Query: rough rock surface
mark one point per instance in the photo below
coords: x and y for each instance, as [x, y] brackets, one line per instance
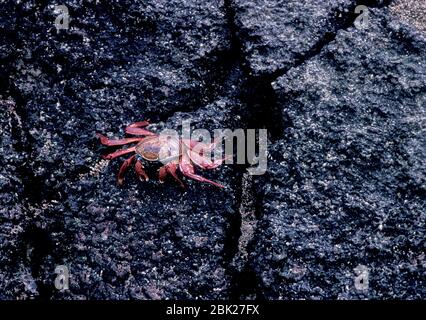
[346, 184]
[116, 65]
[277, 34]
[15, 277]
[346, 175]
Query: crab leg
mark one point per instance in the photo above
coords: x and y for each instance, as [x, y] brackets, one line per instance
[136, 129]
[187, 169]
[140, 172]
[171, 169]
[138, 124]
[126, 164]
[116, 142]
[119, 153]
[204, 162]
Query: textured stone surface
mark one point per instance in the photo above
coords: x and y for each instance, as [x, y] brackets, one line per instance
[413, 13]
[117, 64]
[346, 185]
[15, 277]
[277, 34]
[150, 240]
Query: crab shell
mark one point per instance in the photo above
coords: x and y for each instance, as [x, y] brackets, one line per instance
[159, 148]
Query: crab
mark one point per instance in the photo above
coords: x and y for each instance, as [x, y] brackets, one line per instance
[175, 153]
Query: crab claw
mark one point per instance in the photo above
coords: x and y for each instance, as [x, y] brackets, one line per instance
[191, 144]
[204, 162]
[187, 169]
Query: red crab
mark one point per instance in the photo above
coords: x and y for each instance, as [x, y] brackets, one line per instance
[153, 147]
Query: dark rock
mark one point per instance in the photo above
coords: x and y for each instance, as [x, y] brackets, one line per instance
[150, 240]
[148, 61]
[277, 34]
[346, 176]
[13, 214]
[118, 63]
[346, 183]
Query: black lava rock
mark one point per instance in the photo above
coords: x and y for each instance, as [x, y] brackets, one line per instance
[346, 183]
[345, 186]
[277, 34]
